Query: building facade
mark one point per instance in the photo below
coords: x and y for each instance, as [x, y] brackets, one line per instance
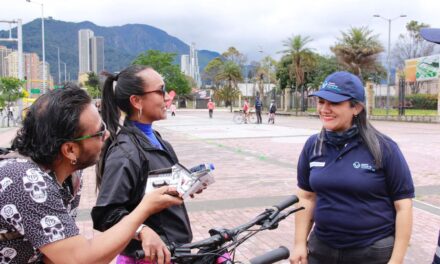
[84, 36]
[97, 54]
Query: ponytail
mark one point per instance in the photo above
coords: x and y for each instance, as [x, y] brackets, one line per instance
[116, 98]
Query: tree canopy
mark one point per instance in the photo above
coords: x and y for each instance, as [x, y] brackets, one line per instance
[411, 44]
[10, 90]
[162, 62]
[357, 50]
[93, 86]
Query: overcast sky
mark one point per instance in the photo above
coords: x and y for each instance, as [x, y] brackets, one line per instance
[251, 26]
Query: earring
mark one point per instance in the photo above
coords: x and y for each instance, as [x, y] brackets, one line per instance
[140, 114]
[73, 162]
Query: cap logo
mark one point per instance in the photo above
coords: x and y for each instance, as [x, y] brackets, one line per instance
[330, 86]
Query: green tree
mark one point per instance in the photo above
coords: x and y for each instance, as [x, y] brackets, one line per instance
[357, 50]
[325, 65]
[210, 72]
[232, 54]
[10, 89]
[162, 62]
[411, 44]
[302, 61]
[93, 85]
[229, 75]
[265, 72]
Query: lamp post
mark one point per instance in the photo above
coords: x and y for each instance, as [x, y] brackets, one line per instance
[59, 66]
[65, 72]
[387, 107]
[42, 42]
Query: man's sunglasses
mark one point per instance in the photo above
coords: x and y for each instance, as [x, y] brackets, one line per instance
[100, 133]
[162, 91]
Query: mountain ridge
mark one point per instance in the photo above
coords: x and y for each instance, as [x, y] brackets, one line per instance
[121, 43]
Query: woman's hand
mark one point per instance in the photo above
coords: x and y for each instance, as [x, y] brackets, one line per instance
[299, 255]
[154, 248]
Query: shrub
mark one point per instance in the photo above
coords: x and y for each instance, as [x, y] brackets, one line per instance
[422, 101]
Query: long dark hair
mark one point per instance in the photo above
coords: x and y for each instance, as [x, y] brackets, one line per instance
[116, 98]
[51, 120]
[370, 136]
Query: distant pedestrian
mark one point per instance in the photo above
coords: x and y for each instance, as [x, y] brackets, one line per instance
[272, 111]
[433, 35]
[173, 109]
[211, 106]
[258, 107]
[354, 183]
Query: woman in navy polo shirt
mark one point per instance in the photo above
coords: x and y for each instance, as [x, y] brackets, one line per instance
[354, 183]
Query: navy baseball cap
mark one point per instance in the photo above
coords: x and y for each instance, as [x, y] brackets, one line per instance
[341, 86]
[431, 34]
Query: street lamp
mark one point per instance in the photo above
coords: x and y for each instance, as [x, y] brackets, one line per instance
[65, 74]
[388, 60]
[59, 66]
[42, 42]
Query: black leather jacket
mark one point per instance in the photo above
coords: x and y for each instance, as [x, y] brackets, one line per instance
[128, 161]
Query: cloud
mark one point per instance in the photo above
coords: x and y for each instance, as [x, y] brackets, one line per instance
[249, 25]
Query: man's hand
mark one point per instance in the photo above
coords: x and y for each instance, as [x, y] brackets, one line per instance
[154, 248]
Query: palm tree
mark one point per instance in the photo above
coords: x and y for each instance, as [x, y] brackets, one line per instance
[357, 50]
[230, 74]
[301, 56]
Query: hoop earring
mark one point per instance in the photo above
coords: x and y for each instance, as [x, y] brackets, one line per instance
[73, 162]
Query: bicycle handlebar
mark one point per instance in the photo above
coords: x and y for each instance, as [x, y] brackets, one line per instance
[268, 220]
[272, 256]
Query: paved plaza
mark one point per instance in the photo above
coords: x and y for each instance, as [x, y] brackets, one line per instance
[256, 168]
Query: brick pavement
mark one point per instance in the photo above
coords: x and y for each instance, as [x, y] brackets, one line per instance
[250, 158]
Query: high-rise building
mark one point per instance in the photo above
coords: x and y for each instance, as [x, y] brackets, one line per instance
[184, 64]
[49, 78]
[97, 54]
[11, 62]
[91, 52]
[4, 52]
[189, 65]
[31, 70]
[84, 36]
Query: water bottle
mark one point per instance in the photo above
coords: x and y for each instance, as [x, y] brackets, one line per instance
[202, 169]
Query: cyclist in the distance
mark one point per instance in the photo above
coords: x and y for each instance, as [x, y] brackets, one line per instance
[246, 111]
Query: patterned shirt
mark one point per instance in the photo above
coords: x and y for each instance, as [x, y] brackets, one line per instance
[33, 204]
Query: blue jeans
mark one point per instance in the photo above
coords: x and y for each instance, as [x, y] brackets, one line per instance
[378, 253]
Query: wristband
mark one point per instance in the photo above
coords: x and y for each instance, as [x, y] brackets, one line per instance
[137, 234]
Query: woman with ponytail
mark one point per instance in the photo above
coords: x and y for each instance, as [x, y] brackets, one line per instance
[133, 150]
[354, 183]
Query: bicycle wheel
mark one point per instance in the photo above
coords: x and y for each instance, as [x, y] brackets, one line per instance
[237, 118]
[252, 118]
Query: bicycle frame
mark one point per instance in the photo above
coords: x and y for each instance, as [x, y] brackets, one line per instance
[221, 245]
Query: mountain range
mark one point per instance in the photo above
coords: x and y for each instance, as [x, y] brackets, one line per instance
[121, 43]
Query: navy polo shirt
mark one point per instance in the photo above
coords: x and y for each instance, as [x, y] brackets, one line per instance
[354, 200]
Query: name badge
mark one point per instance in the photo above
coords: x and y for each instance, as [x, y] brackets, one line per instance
[317, 164]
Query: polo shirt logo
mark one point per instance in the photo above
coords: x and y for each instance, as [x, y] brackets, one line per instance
[316, 164]
[365, 166]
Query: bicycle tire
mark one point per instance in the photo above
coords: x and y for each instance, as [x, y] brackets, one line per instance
[252, 118]
[238, 118]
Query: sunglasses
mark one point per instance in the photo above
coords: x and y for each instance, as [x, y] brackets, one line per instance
[162, 91]
[100, 133]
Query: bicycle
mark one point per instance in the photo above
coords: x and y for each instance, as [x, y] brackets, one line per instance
[271, 118]
[239, 117]
[221, 246]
